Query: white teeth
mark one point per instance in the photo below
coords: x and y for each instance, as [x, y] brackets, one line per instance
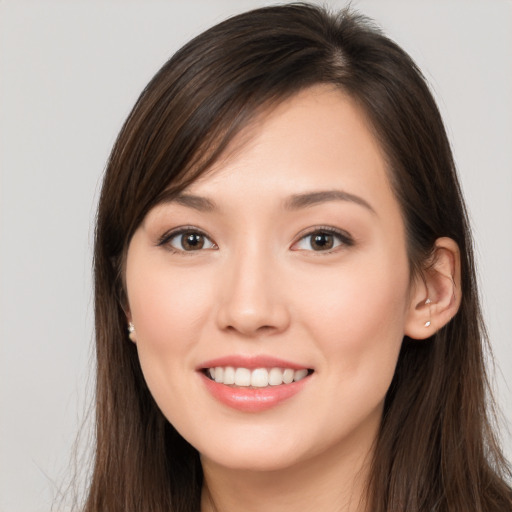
[219, 374]
[242, 377]
[257, 378]
[275, 377]
[298, 375]
[288, 376]
[229, 375]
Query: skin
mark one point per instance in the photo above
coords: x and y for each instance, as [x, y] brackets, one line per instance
[258, 287]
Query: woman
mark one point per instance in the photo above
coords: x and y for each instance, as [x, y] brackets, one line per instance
[286, 308]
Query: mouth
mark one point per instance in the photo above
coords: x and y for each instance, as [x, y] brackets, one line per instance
[254, 383]
[256, 378]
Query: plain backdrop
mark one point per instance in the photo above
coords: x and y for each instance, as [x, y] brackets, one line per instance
[69, 73]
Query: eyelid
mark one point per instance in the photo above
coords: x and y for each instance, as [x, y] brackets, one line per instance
[174, 232]
[345, 238]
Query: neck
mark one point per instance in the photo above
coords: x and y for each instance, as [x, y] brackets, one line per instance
[333, 483]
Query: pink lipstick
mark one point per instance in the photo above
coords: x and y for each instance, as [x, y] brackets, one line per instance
[253, 384]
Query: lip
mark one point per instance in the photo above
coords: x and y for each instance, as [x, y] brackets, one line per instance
[252, 399]
[251, 362]
[247, 399]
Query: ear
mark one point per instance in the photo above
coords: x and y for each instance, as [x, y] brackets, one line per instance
[436, 294]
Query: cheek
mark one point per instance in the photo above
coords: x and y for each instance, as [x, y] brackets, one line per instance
[168, 307]
[357, 314]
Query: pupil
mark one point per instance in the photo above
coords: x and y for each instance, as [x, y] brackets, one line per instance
[323, 241]
[192, 241]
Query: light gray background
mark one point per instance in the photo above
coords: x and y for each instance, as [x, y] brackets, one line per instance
[69, 73]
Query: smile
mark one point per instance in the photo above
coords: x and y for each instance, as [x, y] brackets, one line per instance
[254, 383]
[255, 378]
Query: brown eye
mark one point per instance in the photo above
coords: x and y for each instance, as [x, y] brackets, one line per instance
[322, 241]
[190, 241]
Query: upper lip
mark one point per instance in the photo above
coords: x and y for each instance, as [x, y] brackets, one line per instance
[251, 362]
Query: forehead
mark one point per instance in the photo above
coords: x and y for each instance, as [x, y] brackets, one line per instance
[318, 139]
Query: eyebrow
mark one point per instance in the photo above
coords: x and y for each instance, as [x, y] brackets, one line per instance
[294, 202]
[199, 203]
[308, 199]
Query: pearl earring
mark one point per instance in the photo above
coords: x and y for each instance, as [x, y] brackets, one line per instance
[131, 332]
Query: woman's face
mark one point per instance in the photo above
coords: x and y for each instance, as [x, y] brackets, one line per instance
[288, 258]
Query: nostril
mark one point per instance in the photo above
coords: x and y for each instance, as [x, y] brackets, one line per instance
[265, 328]
[251, 329]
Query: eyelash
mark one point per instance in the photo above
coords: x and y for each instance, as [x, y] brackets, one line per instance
[343, 238]
[170, 235]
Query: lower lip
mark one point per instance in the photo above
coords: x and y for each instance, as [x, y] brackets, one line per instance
[253, 399]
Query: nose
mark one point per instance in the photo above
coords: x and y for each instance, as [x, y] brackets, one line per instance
[252, 299]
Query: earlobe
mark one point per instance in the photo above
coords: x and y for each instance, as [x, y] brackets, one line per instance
[131, 327]
[435, 298]
[131, 332]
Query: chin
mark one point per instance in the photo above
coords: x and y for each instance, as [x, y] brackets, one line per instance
[256, 460]
[255, 451]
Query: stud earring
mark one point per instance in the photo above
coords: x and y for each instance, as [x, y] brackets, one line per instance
[131, 332]
[428, 302]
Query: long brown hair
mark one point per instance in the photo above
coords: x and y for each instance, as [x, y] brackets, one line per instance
[436, 449]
